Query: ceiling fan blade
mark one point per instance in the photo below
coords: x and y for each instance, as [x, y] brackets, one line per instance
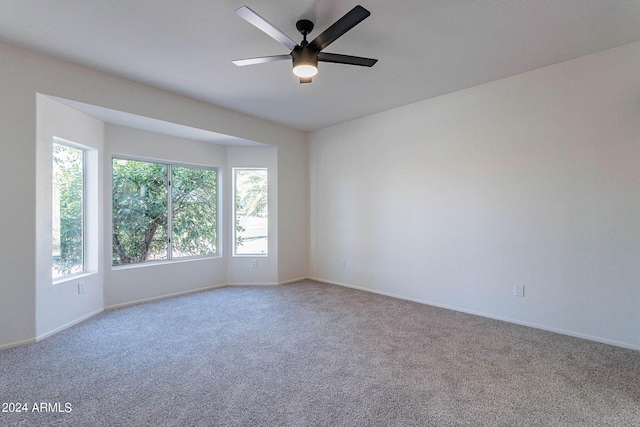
[346, 59]
[262, 24]
[260, 60]
[341, 26]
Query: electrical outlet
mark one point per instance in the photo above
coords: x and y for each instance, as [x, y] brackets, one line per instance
[254, 263]
[343, 264]
[518, 290]
[81, 287]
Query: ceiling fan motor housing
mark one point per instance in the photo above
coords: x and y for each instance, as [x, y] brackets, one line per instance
[305, 58]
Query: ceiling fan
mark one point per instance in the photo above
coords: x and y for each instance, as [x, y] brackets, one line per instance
[306, 55]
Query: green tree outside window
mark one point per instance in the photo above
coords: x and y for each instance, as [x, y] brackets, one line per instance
[144, 211]
[67, 210]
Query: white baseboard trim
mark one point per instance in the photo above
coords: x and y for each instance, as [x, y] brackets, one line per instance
[68, 325]
[286, 282]
[110, 307]
[331, 282]
[247, 284]
[487, 315]
[299, 279]
[161, 297]
[207, 288]
[17, 344]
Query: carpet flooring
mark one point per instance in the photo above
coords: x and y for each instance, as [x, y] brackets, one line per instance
[312, 354]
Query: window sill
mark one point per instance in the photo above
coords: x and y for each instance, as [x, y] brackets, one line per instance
[72, 278]
[163, 262]
[250, 255]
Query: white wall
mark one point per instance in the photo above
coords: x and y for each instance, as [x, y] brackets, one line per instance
[23, 74]
[293, 212]
[533, 180]
[17, 201]
[59, 305]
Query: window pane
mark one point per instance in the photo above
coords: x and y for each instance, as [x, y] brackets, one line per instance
[193, 211]
[252, 223]
[139, 211]
[67, 218]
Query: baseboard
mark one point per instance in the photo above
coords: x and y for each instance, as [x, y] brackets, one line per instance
[346, 285]
[17, 344]
[68, 325]
[161, 297]
[299, 279]
[122, 305]
[487, 315]
[207, 288]
[286, 282]
[51, 332]
[245, 284]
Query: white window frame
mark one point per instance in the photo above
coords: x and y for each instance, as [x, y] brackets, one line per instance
[170, 258]
[85, 155]
[234, 213]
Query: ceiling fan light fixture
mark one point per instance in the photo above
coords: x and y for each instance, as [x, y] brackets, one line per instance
[305, 62]
[305, 70]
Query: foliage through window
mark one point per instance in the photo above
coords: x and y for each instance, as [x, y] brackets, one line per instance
[67, 210]
[162, 211]
[251, 211]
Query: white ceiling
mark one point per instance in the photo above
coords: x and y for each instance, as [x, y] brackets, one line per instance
[425, 48]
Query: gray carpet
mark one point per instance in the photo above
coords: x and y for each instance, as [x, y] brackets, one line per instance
[311, 354]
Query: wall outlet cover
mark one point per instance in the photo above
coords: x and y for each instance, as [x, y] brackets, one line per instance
[518, 290]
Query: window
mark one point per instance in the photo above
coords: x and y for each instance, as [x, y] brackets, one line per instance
[162, 211]
[193, 208]
[251, 213]
[67, 210]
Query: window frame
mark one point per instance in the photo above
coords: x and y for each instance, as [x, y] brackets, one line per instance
[83, 234]
[169, 190]
[234, 211]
